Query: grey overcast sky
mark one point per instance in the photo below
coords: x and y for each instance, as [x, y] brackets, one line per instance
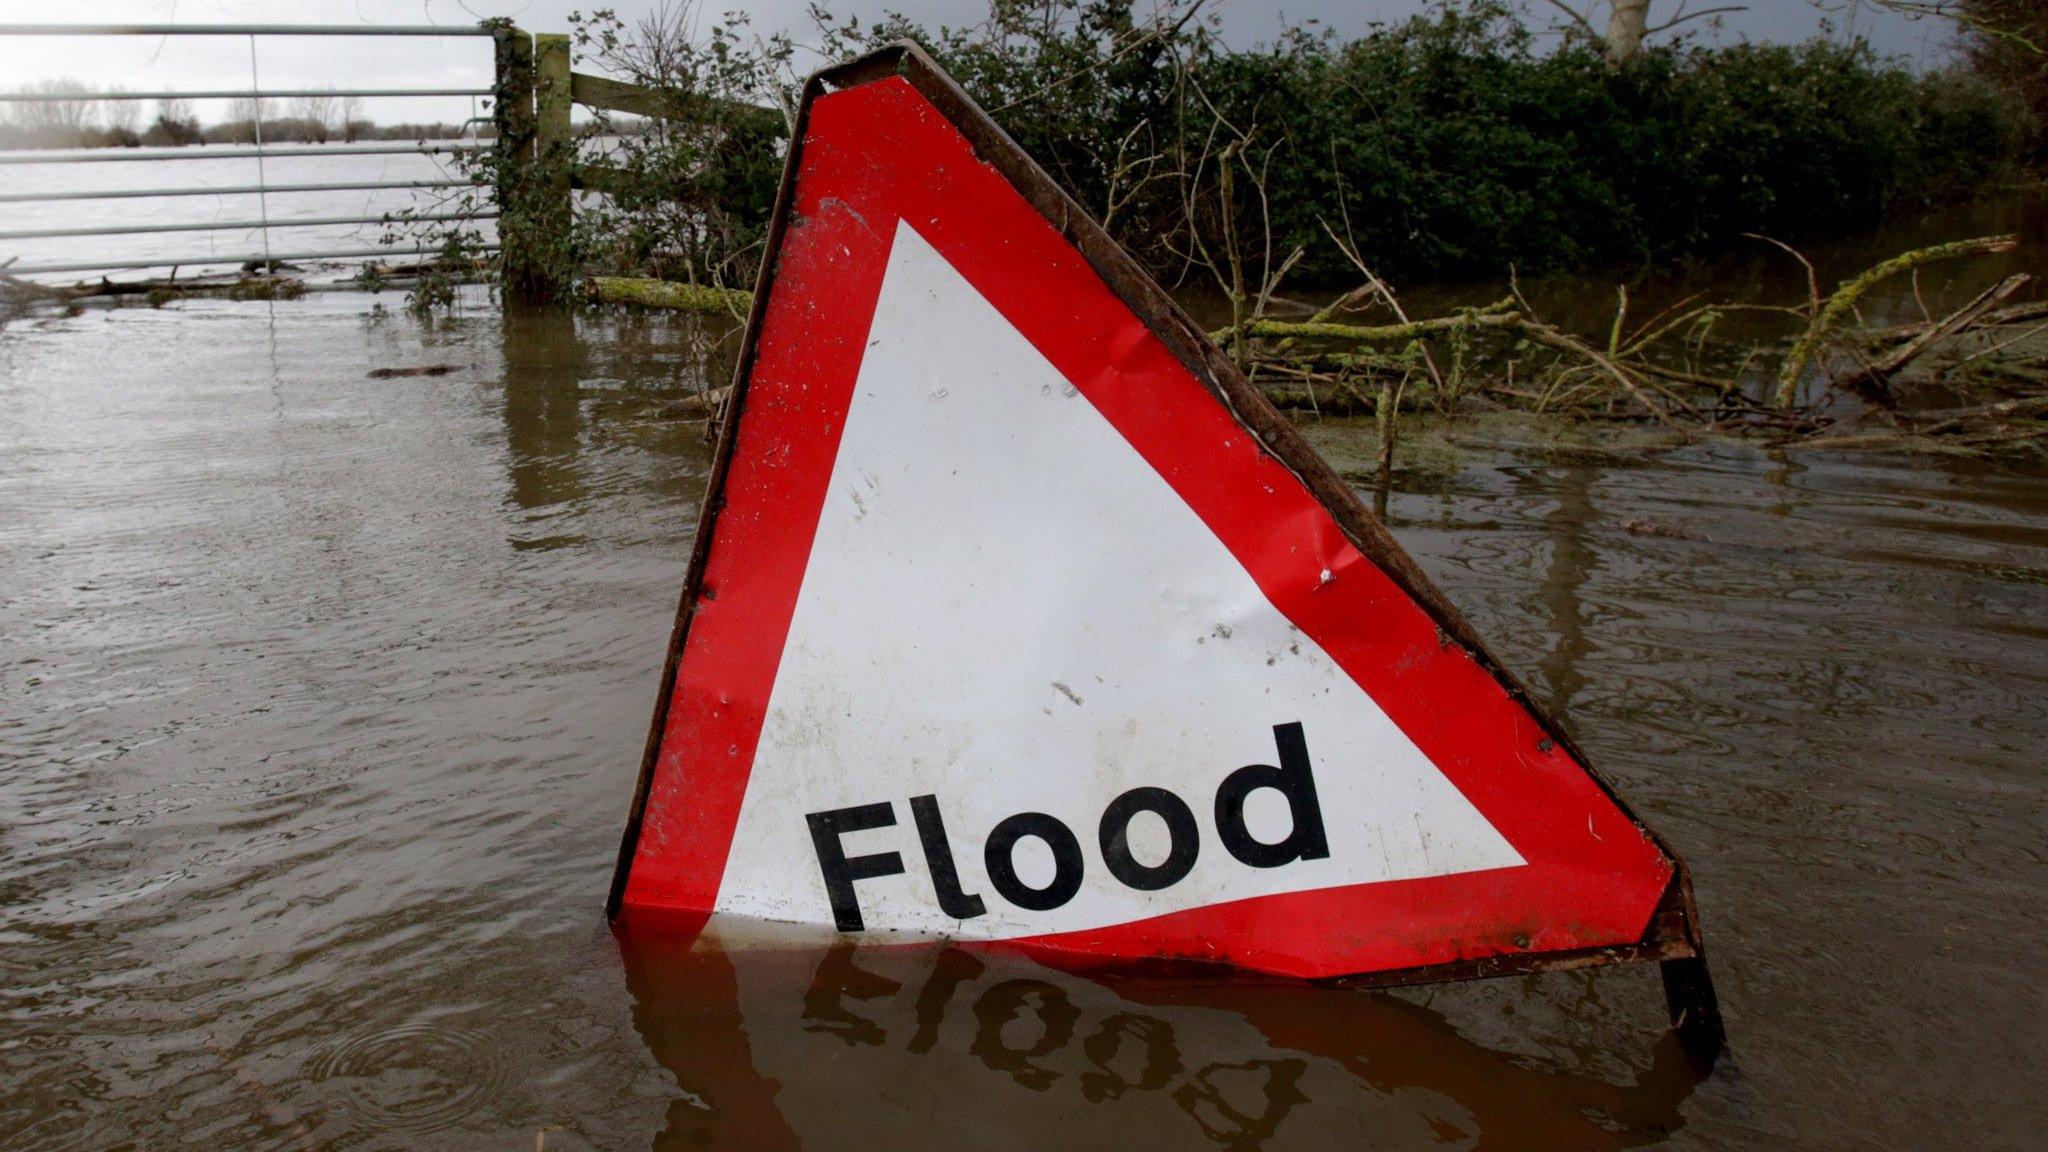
[197, 63]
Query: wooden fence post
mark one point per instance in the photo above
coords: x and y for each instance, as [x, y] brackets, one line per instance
[554, 162]
[513, 111]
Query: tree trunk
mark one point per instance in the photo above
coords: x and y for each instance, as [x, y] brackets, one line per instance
[1625, 30]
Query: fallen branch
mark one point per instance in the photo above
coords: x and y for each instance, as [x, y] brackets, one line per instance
[1716, 383]
[1551, 337]
[1997, 345]
[704, 403]
[19, 295]
[668, 294]
[1489, 317]
[1953, 444]
[1843, 302]
[1996, 318]
[1858, 440]
[2003, 437]
[414, 370]
[1949, 420]
[1874, 379]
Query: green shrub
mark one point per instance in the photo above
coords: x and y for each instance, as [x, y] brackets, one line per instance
[1448, 145]
[1453, 147]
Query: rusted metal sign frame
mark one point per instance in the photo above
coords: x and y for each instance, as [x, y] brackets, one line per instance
[1672, 938]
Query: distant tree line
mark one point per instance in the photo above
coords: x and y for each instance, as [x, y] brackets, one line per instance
[70, 115]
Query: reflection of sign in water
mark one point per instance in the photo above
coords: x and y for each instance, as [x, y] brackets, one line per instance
[1018, 615]
[848, 1047]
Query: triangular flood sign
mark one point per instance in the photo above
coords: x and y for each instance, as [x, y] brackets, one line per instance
[1016, 614]
[1007, 609]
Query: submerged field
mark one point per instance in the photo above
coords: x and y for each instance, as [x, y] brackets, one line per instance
[321, 698]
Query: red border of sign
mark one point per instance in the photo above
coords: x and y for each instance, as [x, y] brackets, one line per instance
[794, 383]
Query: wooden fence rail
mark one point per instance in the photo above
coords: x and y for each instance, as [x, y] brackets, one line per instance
[539, 171]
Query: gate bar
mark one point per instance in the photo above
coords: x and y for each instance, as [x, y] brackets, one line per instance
[206, 259]
[243, 225]
[208, 152]
[233, 94]
[243, 30]
[233, 190]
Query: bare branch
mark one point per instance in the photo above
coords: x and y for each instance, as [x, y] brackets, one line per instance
[1684, 17]
[1579, 18]
[1843, 303]
[1812, 280]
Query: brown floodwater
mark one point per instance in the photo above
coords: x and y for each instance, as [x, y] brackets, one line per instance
[322, 696]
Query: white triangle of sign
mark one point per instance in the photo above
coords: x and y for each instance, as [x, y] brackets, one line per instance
[1007, 609]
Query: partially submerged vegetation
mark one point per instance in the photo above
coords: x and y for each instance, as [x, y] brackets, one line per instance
[1447, 145]
[1971, 380]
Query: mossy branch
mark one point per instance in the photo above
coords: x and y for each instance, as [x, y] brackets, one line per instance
[1501, 314]
[669, 294]
[1839, 306]
[1495, 315]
